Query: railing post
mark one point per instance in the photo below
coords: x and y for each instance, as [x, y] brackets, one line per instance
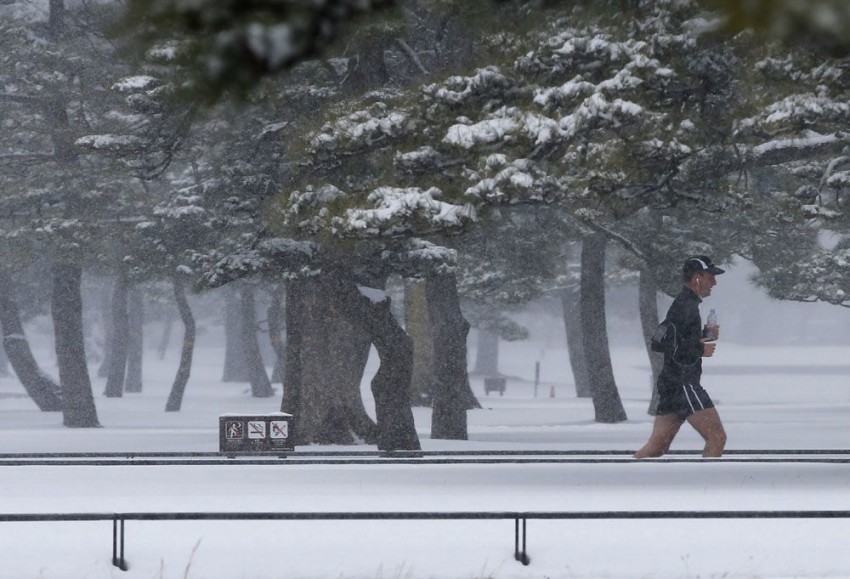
[114, 542]
[118, 543]
[525, 558]
[520, 556]
[516, 538]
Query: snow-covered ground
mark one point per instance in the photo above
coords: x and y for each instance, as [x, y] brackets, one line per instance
[769, 398]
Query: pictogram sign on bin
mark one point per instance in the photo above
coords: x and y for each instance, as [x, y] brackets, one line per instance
[255, 433]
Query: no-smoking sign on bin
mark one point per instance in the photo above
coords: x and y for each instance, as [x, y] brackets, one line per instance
[255, 433]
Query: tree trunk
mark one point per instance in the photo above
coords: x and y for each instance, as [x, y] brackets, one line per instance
[41, 388]
[320, 415]
[178, 388]
[350, 367]
[391, 384]
[165, 338]
[67, 311]
[135, 344]
[261, 387]
[275, 316]
[368, 69]
[106, 311]
[487, 354]
[606, 398]
[4, 362]
[325, 358]
[575, 346]
[120, 331]
[235, 367]
[295, 317]
[55, 22]
[67, 305]
[648, 307]
[452, 394]
[418, 327]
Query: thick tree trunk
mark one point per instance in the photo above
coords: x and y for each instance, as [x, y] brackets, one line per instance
[350, 367]
[235, 367]
[648, 307]
[67, 305]
[261, 386]
[275, 316]
[120, 337]
[575, 345]
[67, 311]
[325, 359]
[372, 311]
[178, 388]
[487, 354]
[452, 394]
[418, 327]
[41, 388]
[606, 398]
[135, 343]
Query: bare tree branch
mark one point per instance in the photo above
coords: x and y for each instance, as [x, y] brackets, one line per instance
[411, 55]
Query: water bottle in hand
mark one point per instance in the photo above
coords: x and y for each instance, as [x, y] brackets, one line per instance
[712, 328]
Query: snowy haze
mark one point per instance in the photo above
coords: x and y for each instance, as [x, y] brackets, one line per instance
[749, 316]
[775, 389]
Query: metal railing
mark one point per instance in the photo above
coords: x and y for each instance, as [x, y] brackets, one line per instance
[363, 457]
[520, 519]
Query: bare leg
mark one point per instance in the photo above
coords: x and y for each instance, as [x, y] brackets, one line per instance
[707, 423]
[664, 430]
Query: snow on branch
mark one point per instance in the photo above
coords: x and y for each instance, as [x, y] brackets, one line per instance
[801, 108]
[403, 211]
[361, 129]
[274, 255]
[460, 89]
[417, 256]
[784, 150]
[510, 182]
[110, 142]
[136, 83]
[375, 295]
[597, 108]
[823, 276]
[488, 131]
[717, 162]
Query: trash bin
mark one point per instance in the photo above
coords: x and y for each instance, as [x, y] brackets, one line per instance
[255, 433]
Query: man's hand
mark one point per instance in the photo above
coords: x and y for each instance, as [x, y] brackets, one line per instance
[708, 348]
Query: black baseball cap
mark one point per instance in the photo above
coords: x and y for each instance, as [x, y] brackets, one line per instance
[700, 263]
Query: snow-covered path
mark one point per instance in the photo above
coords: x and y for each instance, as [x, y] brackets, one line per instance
[698, 548]
[769, 398]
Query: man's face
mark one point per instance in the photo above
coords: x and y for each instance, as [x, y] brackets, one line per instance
[706, 282]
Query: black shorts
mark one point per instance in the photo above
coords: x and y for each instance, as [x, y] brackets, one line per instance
[684, 400]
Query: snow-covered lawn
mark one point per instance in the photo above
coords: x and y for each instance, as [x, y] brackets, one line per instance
[769, 398]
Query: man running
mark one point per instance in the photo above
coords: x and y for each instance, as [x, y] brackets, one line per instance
[681, 397]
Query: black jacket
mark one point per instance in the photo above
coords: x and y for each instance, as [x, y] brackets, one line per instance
[683, 365]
